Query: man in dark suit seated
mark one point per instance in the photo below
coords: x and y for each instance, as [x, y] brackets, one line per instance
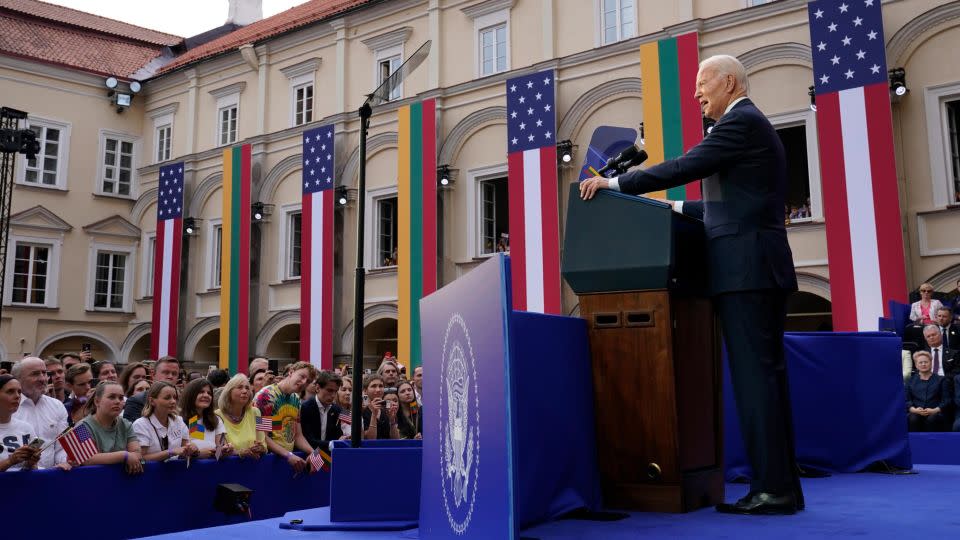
[945, 361]
[927, 396]
[319, 415]
[751, 273]
[948, 330]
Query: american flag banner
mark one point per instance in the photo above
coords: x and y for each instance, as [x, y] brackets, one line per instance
[316, 251]
[166, 261]
[532, 193]
[79, 444]
[857, 165]
[265, 423]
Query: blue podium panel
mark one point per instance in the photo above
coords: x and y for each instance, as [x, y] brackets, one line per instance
[357, 476]
[466, 428]
[846, 389]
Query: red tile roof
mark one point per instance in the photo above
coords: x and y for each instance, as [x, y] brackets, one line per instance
[89, 21]
[291, 19]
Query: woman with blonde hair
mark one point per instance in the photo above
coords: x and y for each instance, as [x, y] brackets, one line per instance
[924, 311]
[161, 432]
[240, 418]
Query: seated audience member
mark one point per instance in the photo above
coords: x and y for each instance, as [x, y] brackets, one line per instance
[161, 432]
[131, 375]
[167, 369]
[379, 421]
[258, 363]
[79, 382]
[57, 382]
[409, 420]
[104, 371]
[390, 373]
[945, 362]
[948, 331]
[46, 415]
[258, 380]
[69, 360]
[281, 402]
[926, 396]
[955, 303]
[320, 414]
[15, 435]
[240, 418]
[204, 426]
[116, 441]
[924, 311]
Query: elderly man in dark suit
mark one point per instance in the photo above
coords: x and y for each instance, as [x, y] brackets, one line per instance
[751, 272]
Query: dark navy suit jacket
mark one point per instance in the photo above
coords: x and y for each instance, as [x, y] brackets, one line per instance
[743, 166]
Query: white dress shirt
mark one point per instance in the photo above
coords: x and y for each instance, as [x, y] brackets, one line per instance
[614, 183]
[48, 417]
[324, 411]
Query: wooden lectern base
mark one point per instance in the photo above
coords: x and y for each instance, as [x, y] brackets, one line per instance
[656, 380]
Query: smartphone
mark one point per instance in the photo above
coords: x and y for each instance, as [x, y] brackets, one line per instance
[85, 347]
[94, 383]
[366, 399]
[36, 443]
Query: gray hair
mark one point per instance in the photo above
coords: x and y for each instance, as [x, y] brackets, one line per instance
[725, 64]
[17, 370]
[921, 353]
[931, 326]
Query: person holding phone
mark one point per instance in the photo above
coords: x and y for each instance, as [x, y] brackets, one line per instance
[16, 452]
[379, 419]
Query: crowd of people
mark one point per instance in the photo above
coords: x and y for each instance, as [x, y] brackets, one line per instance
[932, 372]
[156, 411]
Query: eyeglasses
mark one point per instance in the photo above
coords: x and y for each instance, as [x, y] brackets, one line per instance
[926, 290]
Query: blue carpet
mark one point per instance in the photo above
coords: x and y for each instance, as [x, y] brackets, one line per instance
[866, 505]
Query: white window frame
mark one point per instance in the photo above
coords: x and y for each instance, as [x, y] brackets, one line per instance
[212, 255]
[381, 55]
[599, 28]
[371, 227]
[808, 119]
[53, 270]
[474, 213]
[938, 141]
[147, 254]
[285, 241]
[160, 123]
[128, 275]
[102, 166]
[297, 83]
[488, 22]
[63, 154]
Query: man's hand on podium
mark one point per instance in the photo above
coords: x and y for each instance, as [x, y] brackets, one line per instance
[590, 186]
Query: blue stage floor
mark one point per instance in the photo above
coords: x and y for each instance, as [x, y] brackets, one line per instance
[866, 505]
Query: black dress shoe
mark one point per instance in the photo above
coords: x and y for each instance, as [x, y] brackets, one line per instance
[760, 503]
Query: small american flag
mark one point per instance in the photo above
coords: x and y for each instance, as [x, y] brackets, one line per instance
[345, 418]
[265, 423]
[79, 444]
[319, 460]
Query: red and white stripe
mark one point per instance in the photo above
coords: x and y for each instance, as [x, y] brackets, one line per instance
[861, 205]
[166, 288]
[316, 279]
[534, 230]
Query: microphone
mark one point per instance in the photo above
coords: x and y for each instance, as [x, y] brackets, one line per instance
[639, 158]
[627, 154]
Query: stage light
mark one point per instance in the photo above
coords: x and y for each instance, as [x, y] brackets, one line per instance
[190, 226]
[342, 195]
[643, 141]
[258, 212]
[813, 98]
[565, 151]
[111, 82]
[898, 82]
[443, 175]
[135, 86]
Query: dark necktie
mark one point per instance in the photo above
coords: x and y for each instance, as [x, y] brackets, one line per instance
[936, 361]
[946, 336]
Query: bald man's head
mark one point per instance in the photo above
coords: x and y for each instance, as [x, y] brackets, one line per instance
[720, 81]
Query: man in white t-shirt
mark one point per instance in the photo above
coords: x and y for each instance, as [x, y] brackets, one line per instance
[46, 415]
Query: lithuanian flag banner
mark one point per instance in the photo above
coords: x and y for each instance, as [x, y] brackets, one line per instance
[235, 259]
[672, 122]
[416, 223]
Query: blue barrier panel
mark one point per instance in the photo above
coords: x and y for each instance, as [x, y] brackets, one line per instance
[380, 481]
[846, 389]
[107, 503]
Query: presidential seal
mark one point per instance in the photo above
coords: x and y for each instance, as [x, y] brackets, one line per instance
[459, 425]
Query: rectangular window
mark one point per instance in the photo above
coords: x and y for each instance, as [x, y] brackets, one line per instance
[43, 169]
[494, 217]
[30, 268]
[228, 124]
[294, 221]
[385, 68]
[217, 250]
[798, 208]
[117, 166]
[110, 280]
[617, 20]
[163, 143]
[953, 126]
[386, 232]
[303, 104]
[493, 49]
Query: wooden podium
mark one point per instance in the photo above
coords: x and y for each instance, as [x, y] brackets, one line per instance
[639, 271]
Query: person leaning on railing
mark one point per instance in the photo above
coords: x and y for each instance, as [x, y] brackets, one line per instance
[240, 418]
[16, 453]
[116, 441]
[162, 433]
[206, 430]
